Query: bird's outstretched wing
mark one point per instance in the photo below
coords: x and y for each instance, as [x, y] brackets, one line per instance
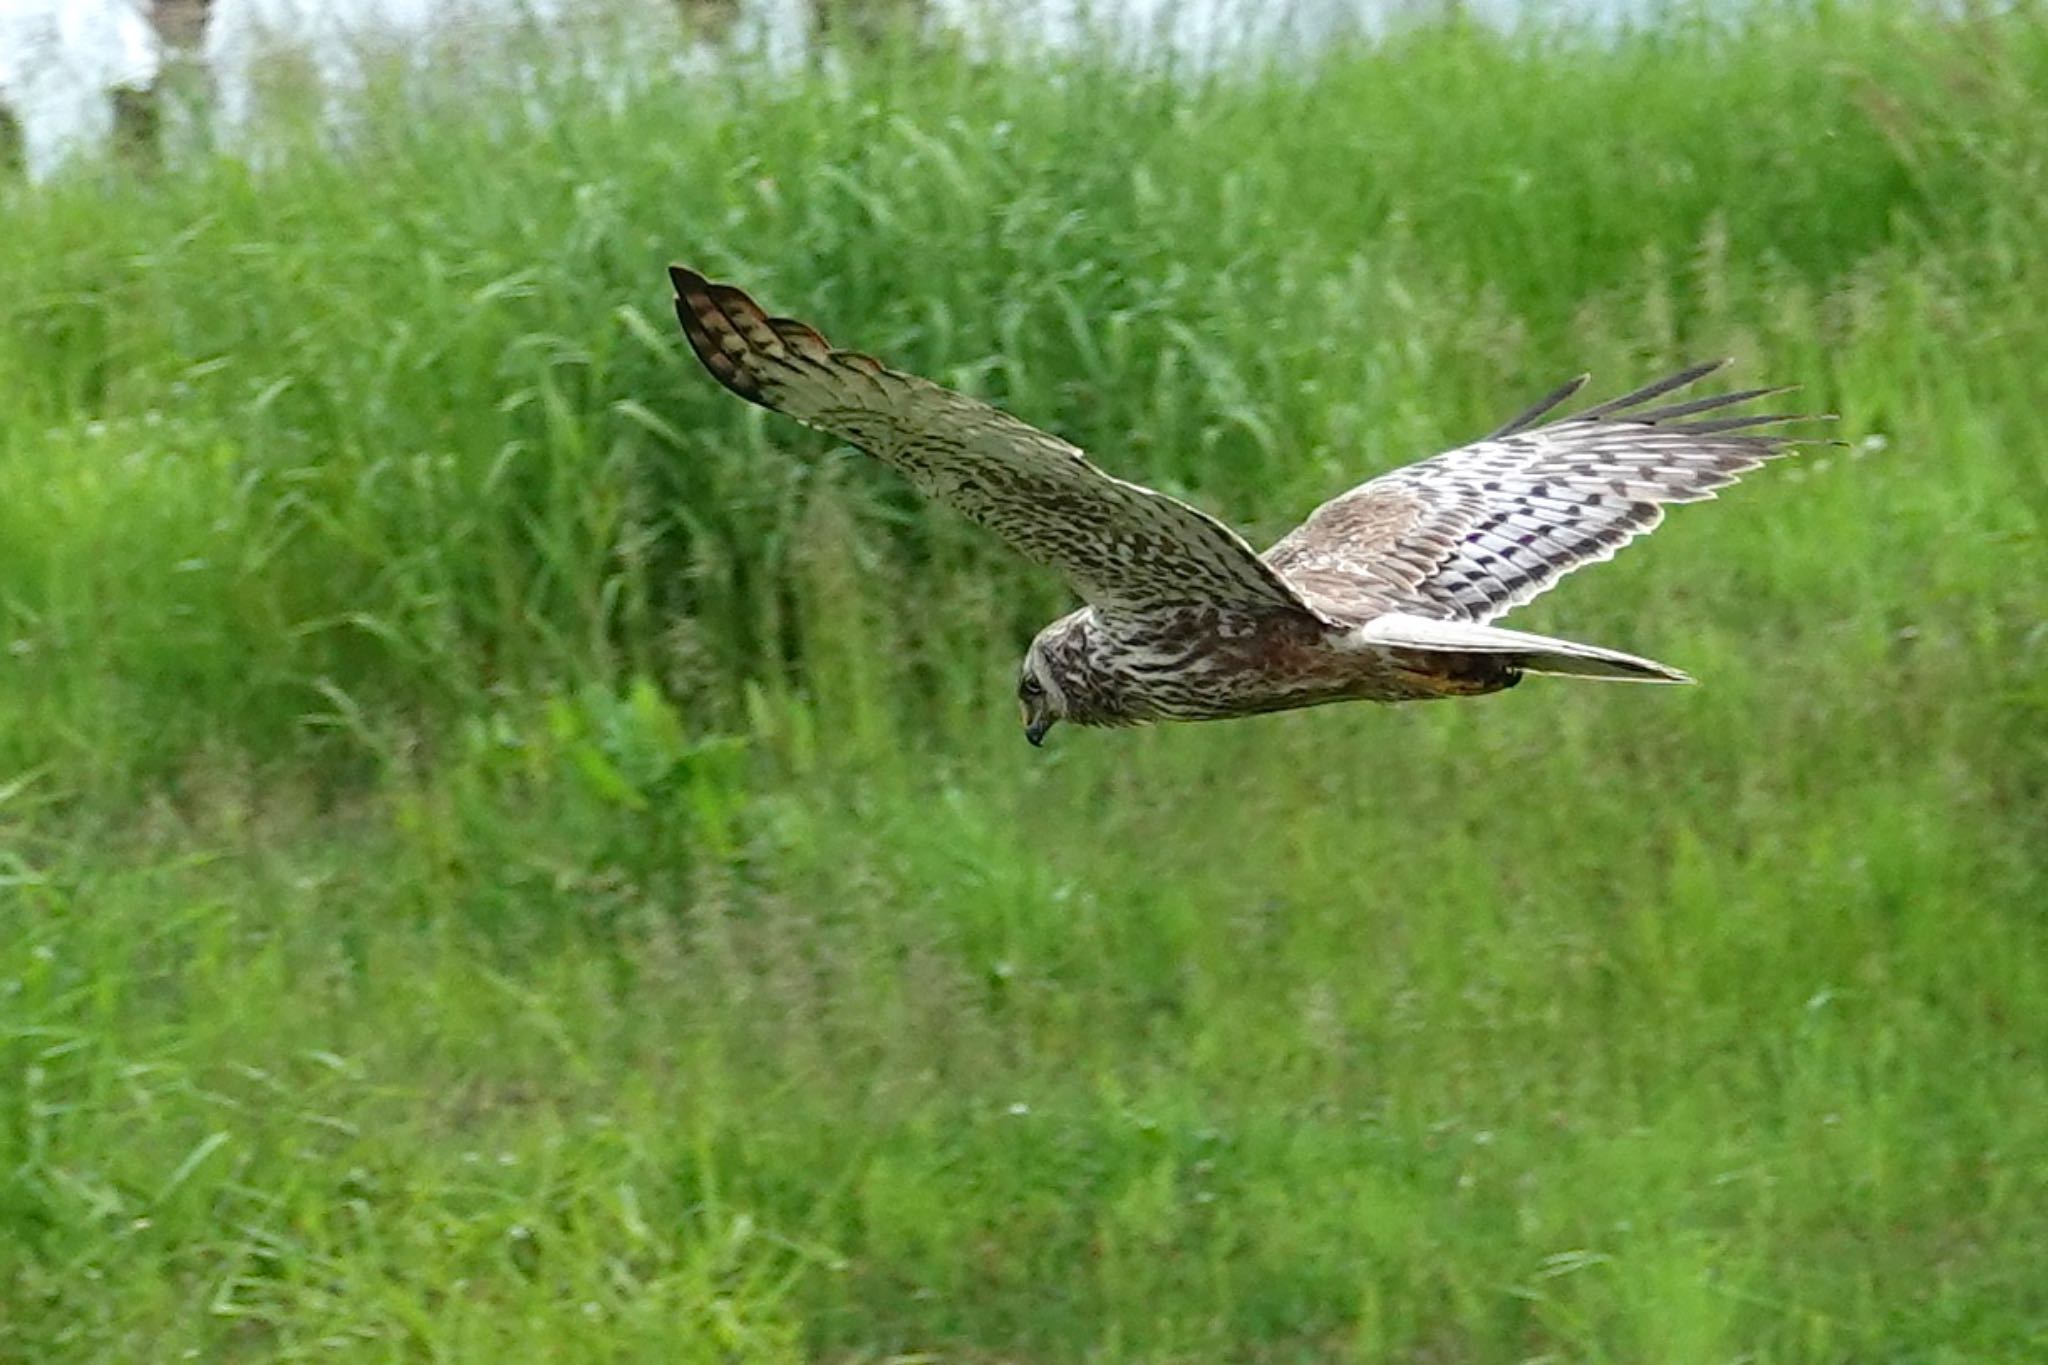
[1121, 546]
[1476, 531]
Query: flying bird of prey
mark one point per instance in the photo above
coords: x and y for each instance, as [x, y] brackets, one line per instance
[1383, 594]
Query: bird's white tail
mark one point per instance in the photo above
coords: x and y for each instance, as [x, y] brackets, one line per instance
[1530, 653]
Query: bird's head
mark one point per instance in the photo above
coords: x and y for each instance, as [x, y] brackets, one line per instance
[1059, 681]
[1038, 694]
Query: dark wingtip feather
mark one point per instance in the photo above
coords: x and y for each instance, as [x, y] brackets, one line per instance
[1530, 415]
[1759, 419]
[1692, 374]
[704, 309]
[1629, 407]
[1671, 411]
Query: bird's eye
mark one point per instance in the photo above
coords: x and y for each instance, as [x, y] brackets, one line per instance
[1029, 688]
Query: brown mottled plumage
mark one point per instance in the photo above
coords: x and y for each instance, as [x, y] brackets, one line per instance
[1383, 594]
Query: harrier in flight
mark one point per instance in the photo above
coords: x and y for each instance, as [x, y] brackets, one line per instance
[1383, 594]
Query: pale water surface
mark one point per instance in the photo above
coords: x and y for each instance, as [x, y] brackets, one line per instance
[61, 60]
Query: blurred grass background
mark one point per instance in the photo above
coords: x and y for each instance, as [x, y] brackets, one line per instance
[508, 853]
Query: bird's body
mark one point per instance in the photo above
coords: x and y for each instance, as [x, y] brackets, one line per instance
[1385, 593]
[1202, 662]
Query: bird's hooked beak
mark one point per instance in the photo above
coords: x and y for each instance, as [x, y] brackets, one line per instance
[1036, 723]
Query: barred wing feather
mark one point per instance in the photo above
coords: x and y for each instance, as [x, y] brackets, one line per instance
[1478, 531]
[1118, 544]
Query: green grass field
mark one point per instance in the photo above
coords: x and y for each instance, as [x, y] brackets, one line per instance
[507, 853]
